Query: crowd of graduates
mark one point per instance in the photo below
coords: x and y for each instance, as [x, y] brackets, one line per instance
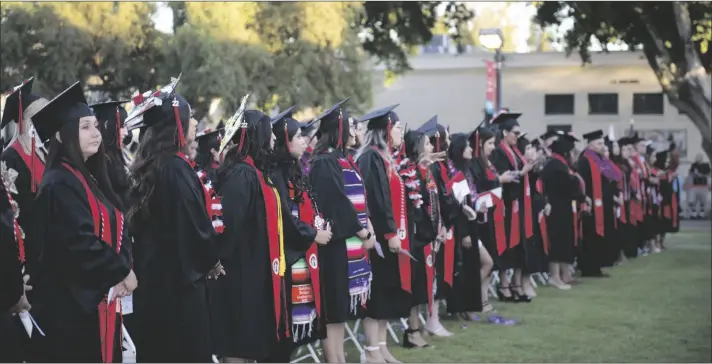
[267, 233]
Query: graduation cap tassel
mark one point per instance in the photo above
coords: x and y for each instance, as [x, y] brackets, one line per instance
[242, 139]
[179, 124]
[118, 129]
[340, 142]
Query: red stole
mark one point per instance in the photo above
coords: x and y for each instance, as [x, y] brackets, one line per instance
[102, 230]
[500, 235]
[307, 214]
[34, 165]
[398, 196]
[272, 218]
[514, 232]
[449, 244]
[597, 195]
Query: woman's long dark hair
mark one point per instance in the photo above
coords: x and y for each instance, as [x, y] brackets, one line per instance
[414, 142]
[156, 148]
[115, 163]
[458, 144]
[442, 139]
[330, 139]
[204, 157]
[291, 166]
[256, 145]
[94, 169]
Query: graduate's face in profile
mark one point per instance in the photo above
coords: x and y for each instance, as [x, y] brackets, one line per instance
[360, 132]
[192, 126]
[448, 139]
[89, 136]
[616, 149]
[397, 135]
[427, 147]
[511, 136]
[530, 153]
[488, 147]
[606, 152]
[272, 139]
[352, 134]
[597, 145]
[467, 153]
[297, 145]
[625, 151]
[640, 147]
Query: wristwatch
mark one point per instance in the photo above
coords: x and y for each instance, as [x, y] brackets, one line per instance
[368, 237]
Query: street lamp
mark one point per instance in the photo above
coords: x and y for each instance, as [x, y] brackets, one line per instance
[493, 40]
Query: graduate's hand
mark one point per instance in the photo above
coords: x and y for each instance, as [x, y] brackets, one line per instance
[469, 212]
[217, 271]
[442, 234]
[547, 210]
[369, 244]
[21, 306]
[527, 168]
[394, 244]
[482, 209]
[588, 201]
[509, 177]
[323, 236]
[467, 242]
[130, 283]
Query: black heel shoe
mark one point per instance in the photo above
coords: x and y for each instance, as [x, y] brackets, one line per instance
[409, 344]
[518, 298]
[503, 297]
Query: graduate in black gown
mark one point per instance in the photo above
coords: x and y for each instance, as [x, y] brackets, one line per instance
[629, 221]
[205, 164]
[564, 191]
[24, 159]
[424, 229]
[249, 305]
[175, 247]
[518, 227]
[12, 290]
[289, 146]
[596, 242]
[385, 192]
[337, 187]
[85, 249]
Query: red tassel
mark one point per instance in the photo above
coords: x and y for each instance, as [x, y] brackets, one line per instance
[242, 139]
[181, 135]
[118, 129]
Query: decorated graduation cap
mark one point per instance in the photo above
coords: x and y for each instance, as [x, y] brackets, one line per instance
[594, 135]
[505, 120]
[285, 127]
[382, 119]
[329, 120]
[18, 100]
[111, 116]
[432, 129]
[475, 136]
[234, 124]
[564, 143]
[147, 101]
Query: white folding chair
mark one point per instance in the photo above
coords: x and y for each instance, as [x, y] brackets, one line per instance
[351, 335]
[312, 354]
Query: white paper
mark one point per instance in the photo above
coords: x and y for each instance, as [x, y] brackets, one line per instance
[460, 190]
[29, 323]
[618, 212]
[110, 296]
[126, 305]
[487, 198]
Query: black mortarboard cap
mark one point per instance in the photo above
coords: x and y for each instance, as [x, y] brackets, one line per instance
[564, 143]
[284, 126]
[68, 106]
[626, 141]
[523, 136]
[430, 128]
[13, 101]
[287, 112]
[329, 119]
[109, 123]
[505, 120]
[378, 119]
[550, 133]
[594, 135]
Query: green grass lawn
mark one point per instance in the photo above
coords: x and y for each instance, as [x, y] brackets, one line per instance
[653, 309]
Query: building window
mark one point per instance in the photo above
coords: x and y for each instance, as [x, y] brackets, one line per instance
[559, 104]
[603, 104]
[648, 104]
[566, 128]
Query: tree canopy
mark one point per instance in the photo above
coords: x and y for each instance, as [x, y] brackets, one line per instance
[675, 38]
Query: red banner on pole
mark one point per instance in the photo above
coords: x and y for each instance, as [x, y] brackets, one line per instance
[491, 88]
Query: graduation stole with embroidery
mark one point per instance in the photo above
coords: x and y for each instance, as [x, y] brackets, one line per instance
[398, 196]
[275, 237]
[515, 234]
[306, 288]
[597, 190]
[102, 230]
[212, 201]
[500, 235]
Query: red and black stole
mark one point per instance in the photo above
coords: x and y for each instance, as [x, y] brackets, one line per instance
[102, 230]
[515, 157]
[597, 190]
[33, 162]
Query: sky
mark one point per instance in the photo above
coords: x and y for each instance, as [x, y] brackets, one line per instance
[519, 13]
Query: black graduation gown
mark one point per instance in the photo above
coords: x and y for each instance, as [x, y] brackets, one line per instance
[449, 210]
[388, 300]
[486, 231]
[612, 241]
[242, 303]
[327, 182]
[305, 236]
[77, 267]
[513, 257]
[466, 293]
[535, 257]
[174, 250]
[561, 189]
[594, 248]
[11, 286]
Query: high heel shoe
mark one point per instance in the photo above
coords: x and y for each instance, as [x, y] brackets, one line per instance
[503, 297]
[409, 344]
[518, 298]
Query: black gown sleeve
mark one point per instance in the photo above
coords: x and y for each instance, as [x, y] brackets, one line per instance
[94, 263]
[378, 194]
[584, 170]
[327, 183]
[500, 161]
[449, 208]
[196, 242]
[11, 286]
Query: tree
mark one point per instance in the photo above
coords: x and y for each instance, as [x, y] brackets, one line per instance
[539, 39]
[111, 47]
[674, 36]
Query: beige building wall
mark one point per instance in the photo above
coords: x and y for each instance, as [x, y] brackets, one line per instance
[454, 88]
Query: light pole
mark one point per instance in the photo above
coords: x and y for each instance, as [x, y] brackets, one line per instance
[492, 40]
